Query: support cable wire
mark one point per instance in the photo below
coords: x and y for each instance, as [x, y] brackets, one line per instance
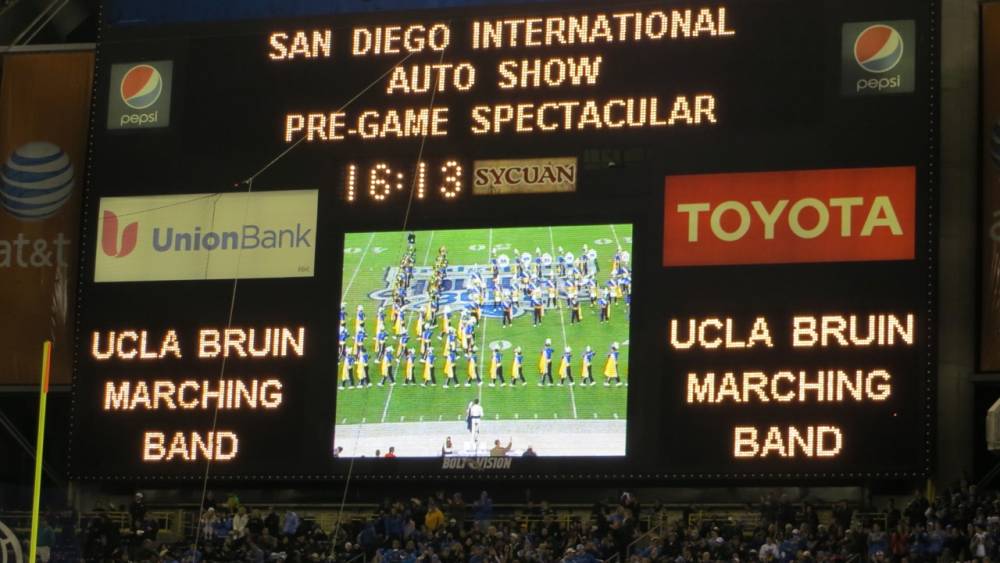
[248, 182]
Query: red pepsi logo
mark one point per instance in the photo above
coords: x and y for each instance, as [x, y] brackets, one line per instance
[141, 86]
[878, 48]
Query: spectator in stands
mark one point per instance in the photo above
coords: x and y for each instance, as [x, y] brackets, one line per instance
[338, 451]
[368, 539]
[768, 508]
[483, 508]
[232, 503]
[785, 511]
[393, 522]
[391, 454]
[500, 451]
[255, 524]
[209, 501]
[935, 540]
[267, 541]
[631, 503]
[192, 555]
[770, 549]
[208, 521]
[980, 544]
[878, 542]
[434, 520]
[418, 512]
[916, 510]
[892, 515]
[456, 508]
[842, 514]
[223, 523]
[530, 452]
[272, 521]
[792, 545]
[46, 539]
[137, 510]
[962, 525]
[810, 517]
[240, 522]
[291, 524]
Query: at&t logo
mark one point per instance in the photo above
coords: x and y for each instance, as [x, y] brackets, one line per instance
[36, 181]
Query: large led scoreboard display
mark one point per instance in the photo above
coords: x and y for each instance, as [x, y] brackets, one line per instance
[681, 239]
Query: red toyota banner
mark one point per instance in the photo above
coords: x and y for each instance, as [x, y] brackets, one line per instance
[840, 215]
[44, 112]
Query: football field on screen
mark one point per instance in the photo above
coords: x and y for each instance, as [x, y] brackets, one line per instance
[577, 420]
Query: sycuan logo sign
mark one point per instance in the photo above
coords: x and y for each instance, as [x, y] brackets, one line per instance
[207, 236]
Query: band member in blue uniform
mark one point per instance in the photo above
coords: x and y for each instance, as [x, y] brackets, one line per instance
[517, 368]
[545, 364]
[380, 342]
[342, 344]
[566, 367]
[386, 368]
[588, 367]
[496, 367]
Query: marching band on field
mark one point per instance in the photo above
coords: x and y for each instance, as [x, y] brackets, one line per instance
[537, 284]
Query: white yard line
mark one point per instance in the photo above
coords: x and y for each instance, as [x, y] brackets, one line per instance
[482, 348]
[429, 246]
[614, 233]
[562, 323]
[358, 267]
[385, 409]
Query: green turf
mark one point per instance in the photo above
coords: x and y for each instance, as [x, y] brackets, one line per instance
[366, 260]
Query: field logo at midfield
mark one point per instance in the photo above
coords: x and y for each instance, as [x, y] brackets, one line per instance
[878, 57]
[455, 294]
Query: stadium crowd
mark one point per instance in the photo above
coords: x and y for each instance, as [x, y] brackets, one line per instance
[959, 525]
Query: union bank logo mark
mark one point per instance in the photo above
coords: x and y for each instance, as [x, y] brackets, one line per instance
[111, 244]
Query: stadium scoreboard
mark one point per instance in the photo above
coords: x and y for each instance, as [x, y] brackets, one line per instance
[722, 213]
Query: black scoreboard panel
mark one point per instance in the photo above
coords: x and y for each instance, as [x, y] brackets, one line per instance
[777, 359]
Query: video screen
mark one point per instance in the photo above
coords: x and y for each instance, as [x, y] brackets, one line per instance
[480, 342]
